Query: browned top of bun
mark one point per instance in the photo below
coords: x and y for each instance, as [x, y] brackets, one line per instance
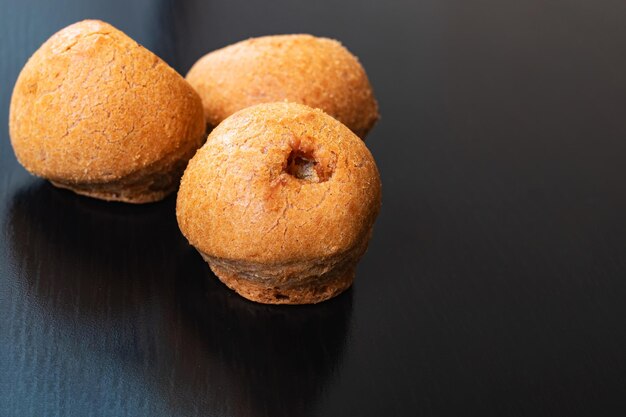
[318, 72]
[240, 198]
[92, 105]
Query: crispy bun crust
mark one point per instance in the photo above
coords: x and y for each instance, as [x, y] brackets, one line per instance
[280, 202]
[318, 72]
[95, 112]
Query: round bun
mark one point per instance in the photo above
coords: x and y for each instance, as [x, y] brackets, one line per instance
[280, 202]
[318, 72]
[95, 112]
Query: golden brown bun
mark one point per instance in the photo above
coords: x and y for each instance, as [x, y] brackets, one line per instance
[318, 72]
[280, 202]
[95, 112]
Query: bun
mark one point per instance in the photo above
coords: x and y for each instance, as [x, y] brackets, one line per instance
[318, 72]
[280, 202]
[95, 112]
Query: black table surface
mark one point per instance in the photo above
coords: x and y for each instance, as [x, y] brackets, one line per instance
[495, 283]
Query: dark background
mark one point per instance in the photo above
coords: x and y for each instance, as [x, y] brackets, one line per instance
[495, 284]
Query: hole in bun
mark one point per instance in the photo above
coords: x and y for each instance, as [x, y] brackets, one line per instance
[306, 163]
[302, 166]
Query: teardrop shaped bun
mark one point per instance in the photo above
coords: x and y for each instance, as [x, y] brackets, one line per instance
[95, 112]
[318, 72]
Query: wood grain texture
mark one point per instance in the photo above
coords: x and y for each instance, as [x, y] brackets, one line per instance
[495, 281]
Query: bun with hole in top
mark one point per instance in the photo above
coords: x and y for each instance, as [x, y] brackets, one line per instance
[280, 202]
[318, 72]
[95, 112]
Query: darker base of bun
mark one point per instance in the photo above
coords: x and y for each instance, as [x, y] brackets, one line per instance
[318, 290]
[150, 184]
[304, 282]
[126, 195]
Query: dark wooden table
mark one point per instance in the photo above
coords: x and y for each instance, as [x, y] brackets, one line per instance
[495, 284]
